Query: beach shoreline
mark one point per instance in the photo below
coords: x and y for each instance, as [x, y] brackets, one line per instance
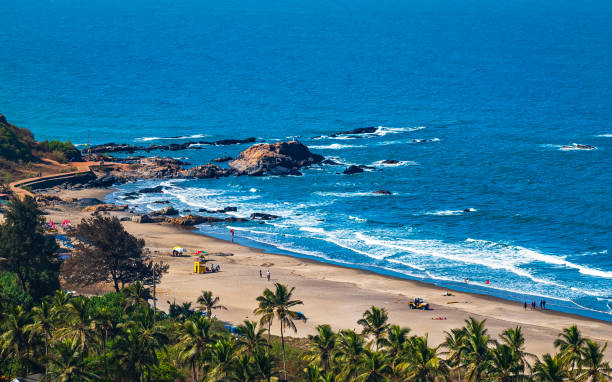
[333, 294]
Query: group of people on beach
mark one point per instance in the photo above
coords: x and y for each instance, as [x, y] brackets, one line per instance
[534, 306]
[267, 274]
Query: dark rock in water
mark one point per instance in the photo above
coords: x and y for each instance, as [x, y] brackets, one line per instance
[232, 219]
[382, 192]
[222, 159]
[161, 202]
[115, 148]
[224, 210]
[152, 190]
[85, 202]
[227, 142]
[196, 219]
[168, 211]
[284, 158]
[330, 162]
[390, 161]
[262, 216]
[360, 130]
[207, 171]
[352, 169]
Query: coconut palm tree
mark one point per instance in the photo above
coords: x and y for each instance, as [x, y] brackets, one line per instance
[592, 365]
[375, 323]
[282, 302]
[136, 294]
[506, 365]
[312, 373]
[349, 351]
[136, 349]
[514, 338]
[551, 369]
[207, 302]
[14, 339]
[80, 325]
[454, 345]
[43, 322]
[265, 310]
[424, 363]
[475, 350]
[322, 346]
[250, 337]
[243, 370]
[374, 367]
[396, 341]
[223, 354]
[264, 364]
[194, 342]
[570, 344]
[66, 363]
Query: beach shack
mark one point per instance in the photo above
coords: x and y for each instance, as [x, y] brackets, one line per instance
[199, 265]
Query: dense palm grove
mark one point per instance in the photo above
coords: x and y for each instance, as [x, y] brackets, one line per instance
[121, 337]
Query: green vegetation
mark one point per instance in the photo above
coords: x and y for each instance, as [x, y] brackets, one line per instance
[61, 151]
[121, 337]
[18, 145]
[106, 252]
[27, 251]
[15, 144]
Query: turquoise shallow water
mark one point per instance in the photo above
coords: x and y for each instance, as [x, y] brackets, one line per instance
[495, 89]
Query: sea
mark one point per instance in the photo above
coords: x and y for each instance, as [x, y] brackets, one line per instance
[479, 101]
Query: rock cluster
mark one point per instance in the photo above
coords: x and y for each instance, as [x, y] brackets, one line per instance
[284, 158]
[104, 207]
[118, 148]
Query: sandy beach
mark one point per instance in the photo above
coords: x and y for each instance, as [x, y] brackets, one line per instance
[331, 294]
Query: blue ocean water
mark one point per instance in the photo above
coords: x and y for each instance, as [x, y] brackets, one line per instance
[495, 88]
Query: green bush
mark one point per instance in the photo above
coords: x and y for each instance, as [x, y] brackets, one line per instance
[65, 150]
[11, 292]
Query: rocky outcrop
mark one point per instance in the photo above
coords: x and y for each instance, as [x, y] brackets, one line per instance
[284, 158]
[390, 161]
[151, 190]
[168, 211]
[224, 210]
[355, 169]
[104, 207]
[207, 171]
[191, 220]
[352, 169]
[330, 162]
[262, 216]
[222, 159]
[360, 130]
[123, 148]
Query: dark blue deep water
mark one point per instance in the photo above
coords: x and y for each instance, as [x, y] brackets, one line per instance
[495, 87]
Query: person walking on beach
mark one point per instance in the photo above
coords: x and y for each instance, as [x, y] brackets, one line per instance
[232, 232]
[268, 275]
[260, 275]
[543, 304]
[525, 305]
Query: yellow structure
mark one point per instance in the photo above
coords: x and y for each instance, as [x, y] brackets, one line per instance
[199, 266]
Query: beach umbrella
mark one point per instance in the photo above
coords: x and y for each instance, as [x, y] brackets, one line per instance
[200, 252]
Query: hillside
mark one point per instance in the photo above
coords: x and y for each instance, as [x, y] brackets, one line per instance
[21, 156]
